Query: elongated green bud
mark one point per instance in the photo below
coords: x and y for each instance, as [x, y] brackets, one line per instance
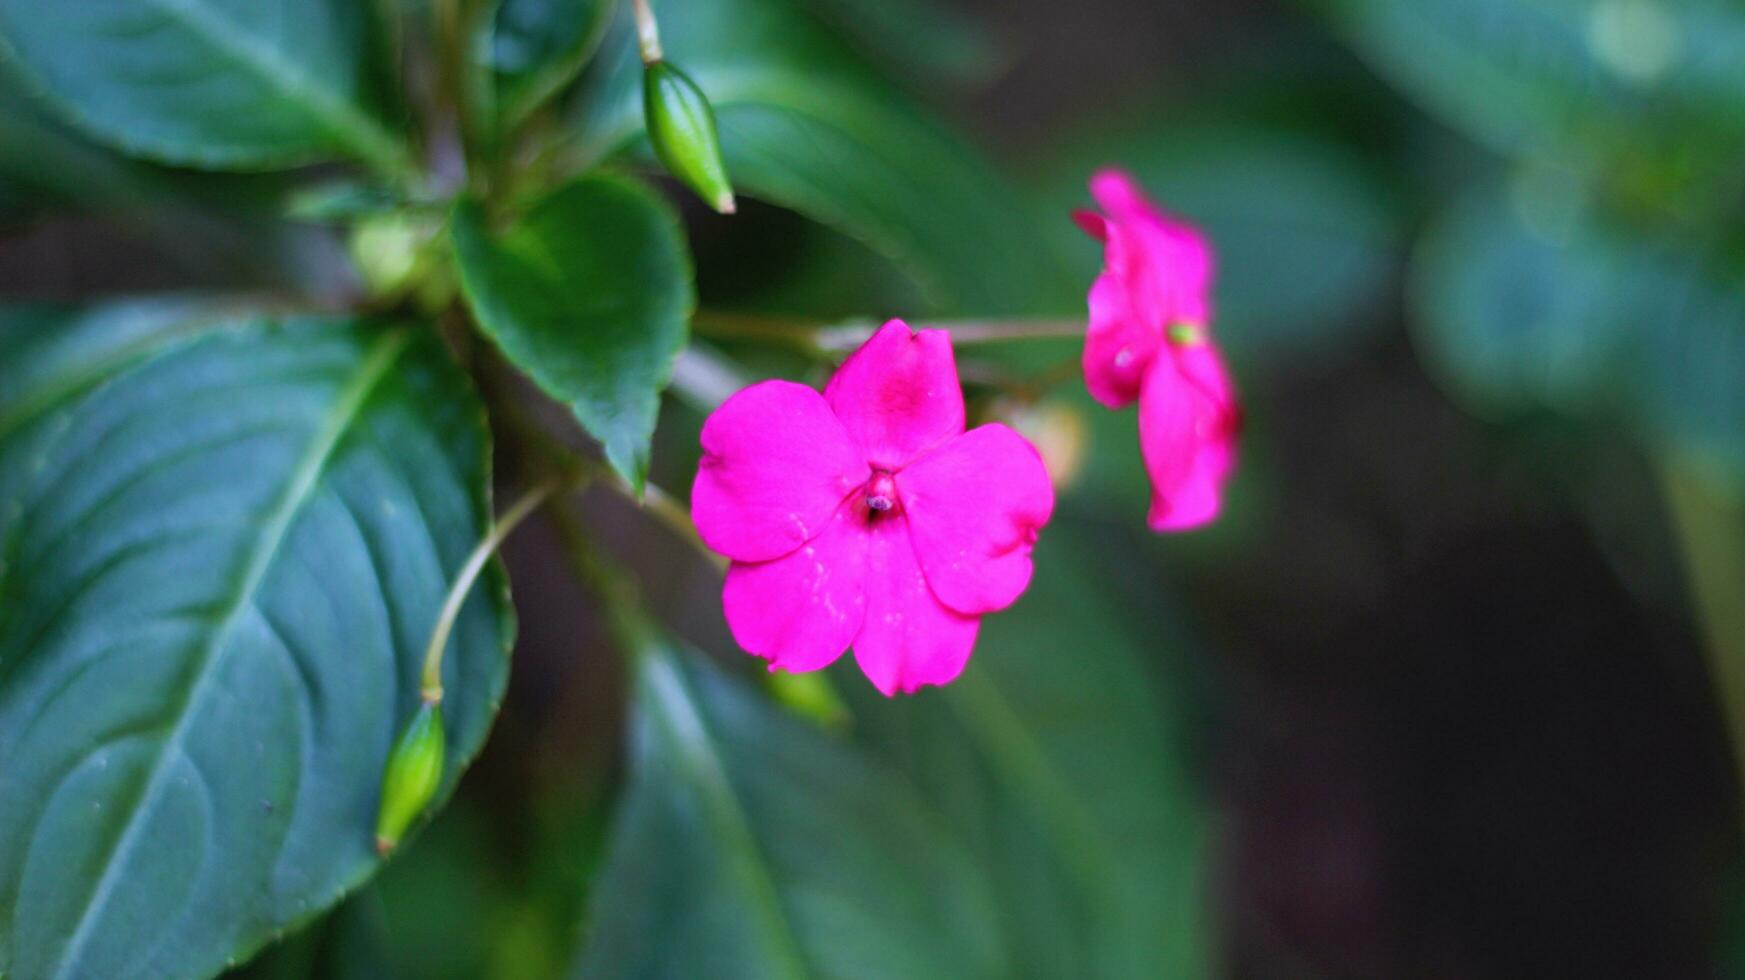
[681, 125]
[414, 770]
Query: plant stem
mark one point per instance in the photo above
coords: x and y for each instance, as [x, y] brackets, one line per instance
[647, 32]
[1708, 516]
[841, 338]
[430, 686]
[703, 379]
[654, 501]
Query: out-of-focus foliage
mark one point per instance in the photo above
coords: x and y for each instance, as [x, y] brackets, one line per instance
[1660, 80]
[535, 47]
[217, 228]
[751, 844]
[215, 83]
[1602, 273]
[807, 124]
[1071, 784]
[223, 543]
[1526, 308]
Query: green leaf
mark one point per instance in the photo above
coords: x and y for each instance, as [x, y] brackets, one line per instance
[1057, 757]
[59, 167]
[926, 37]
[341, 201]
[1518, 305]
[806, 124]
[535, 47]
[221, 84]
[221, 554]
[1306, 242]
[214, 227]
[350, 943]
[589, 292]
[1573, 76]
[49, 355]
[750, 844]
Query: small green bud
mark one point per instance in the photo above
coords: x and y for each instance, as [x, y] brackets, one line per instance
[388, 250]
[810, 696]
[1186, 333]
[414, 770]
[681, 125]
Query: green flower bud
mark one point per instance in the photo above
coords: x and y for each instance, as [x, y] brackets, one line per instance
[414, 770]
[389, 250]
[810, 696]
[1186, 333]
[682, 128]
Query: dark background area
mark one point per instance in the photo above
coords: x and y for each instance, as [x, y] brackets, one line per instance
[1460, 737]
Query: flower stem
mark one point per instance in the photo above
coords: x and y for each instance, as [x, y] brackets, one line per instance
[654, 501]
[647, 32]
[841, 338]
[1708, 516]
[430, 686]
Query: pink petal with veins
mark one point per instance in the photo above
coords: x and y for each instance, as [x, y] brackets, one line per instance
[801, 611]
[909, 639]
[1119, 346]
[1188, 425]
[974, 507]
[898, 395]
[776, 463]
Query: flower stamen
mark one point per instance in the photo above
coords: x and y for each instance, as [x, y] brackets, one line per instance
[881, 492]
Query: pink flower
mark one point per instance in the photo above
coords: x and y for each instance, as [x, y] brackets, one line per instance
[866, 516]
[1150, 339]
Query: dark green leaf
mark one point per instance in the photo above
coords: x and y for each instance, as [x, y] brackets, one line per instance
[350, 943]
[467, 902]
[1057, 757]
[589, 293]
[212, 83]
[535, 47]
[1519, 305]
[221, 554]
[806, 124]
[213, 226]
[49, 356]
[341, 200]
[1608, 77]
[934, 39]
[751, 845]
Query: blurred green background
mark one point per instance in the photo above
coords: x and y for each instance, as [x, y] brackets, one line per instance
[1444, 695]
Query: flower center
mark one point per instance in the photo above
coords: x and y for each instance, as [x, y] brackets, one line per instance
[881, 492]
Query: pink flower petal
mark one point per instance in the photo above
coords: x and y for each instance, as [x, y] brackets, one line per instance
[1116, 192]
[776, 463]
[1094, 224]
[1167, 267]
[898, 394]
[974, 506]
[1120, 344]
[802, 610]
[1158, 236]
[909, 638]
[1156, 272]
[1188, 423]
